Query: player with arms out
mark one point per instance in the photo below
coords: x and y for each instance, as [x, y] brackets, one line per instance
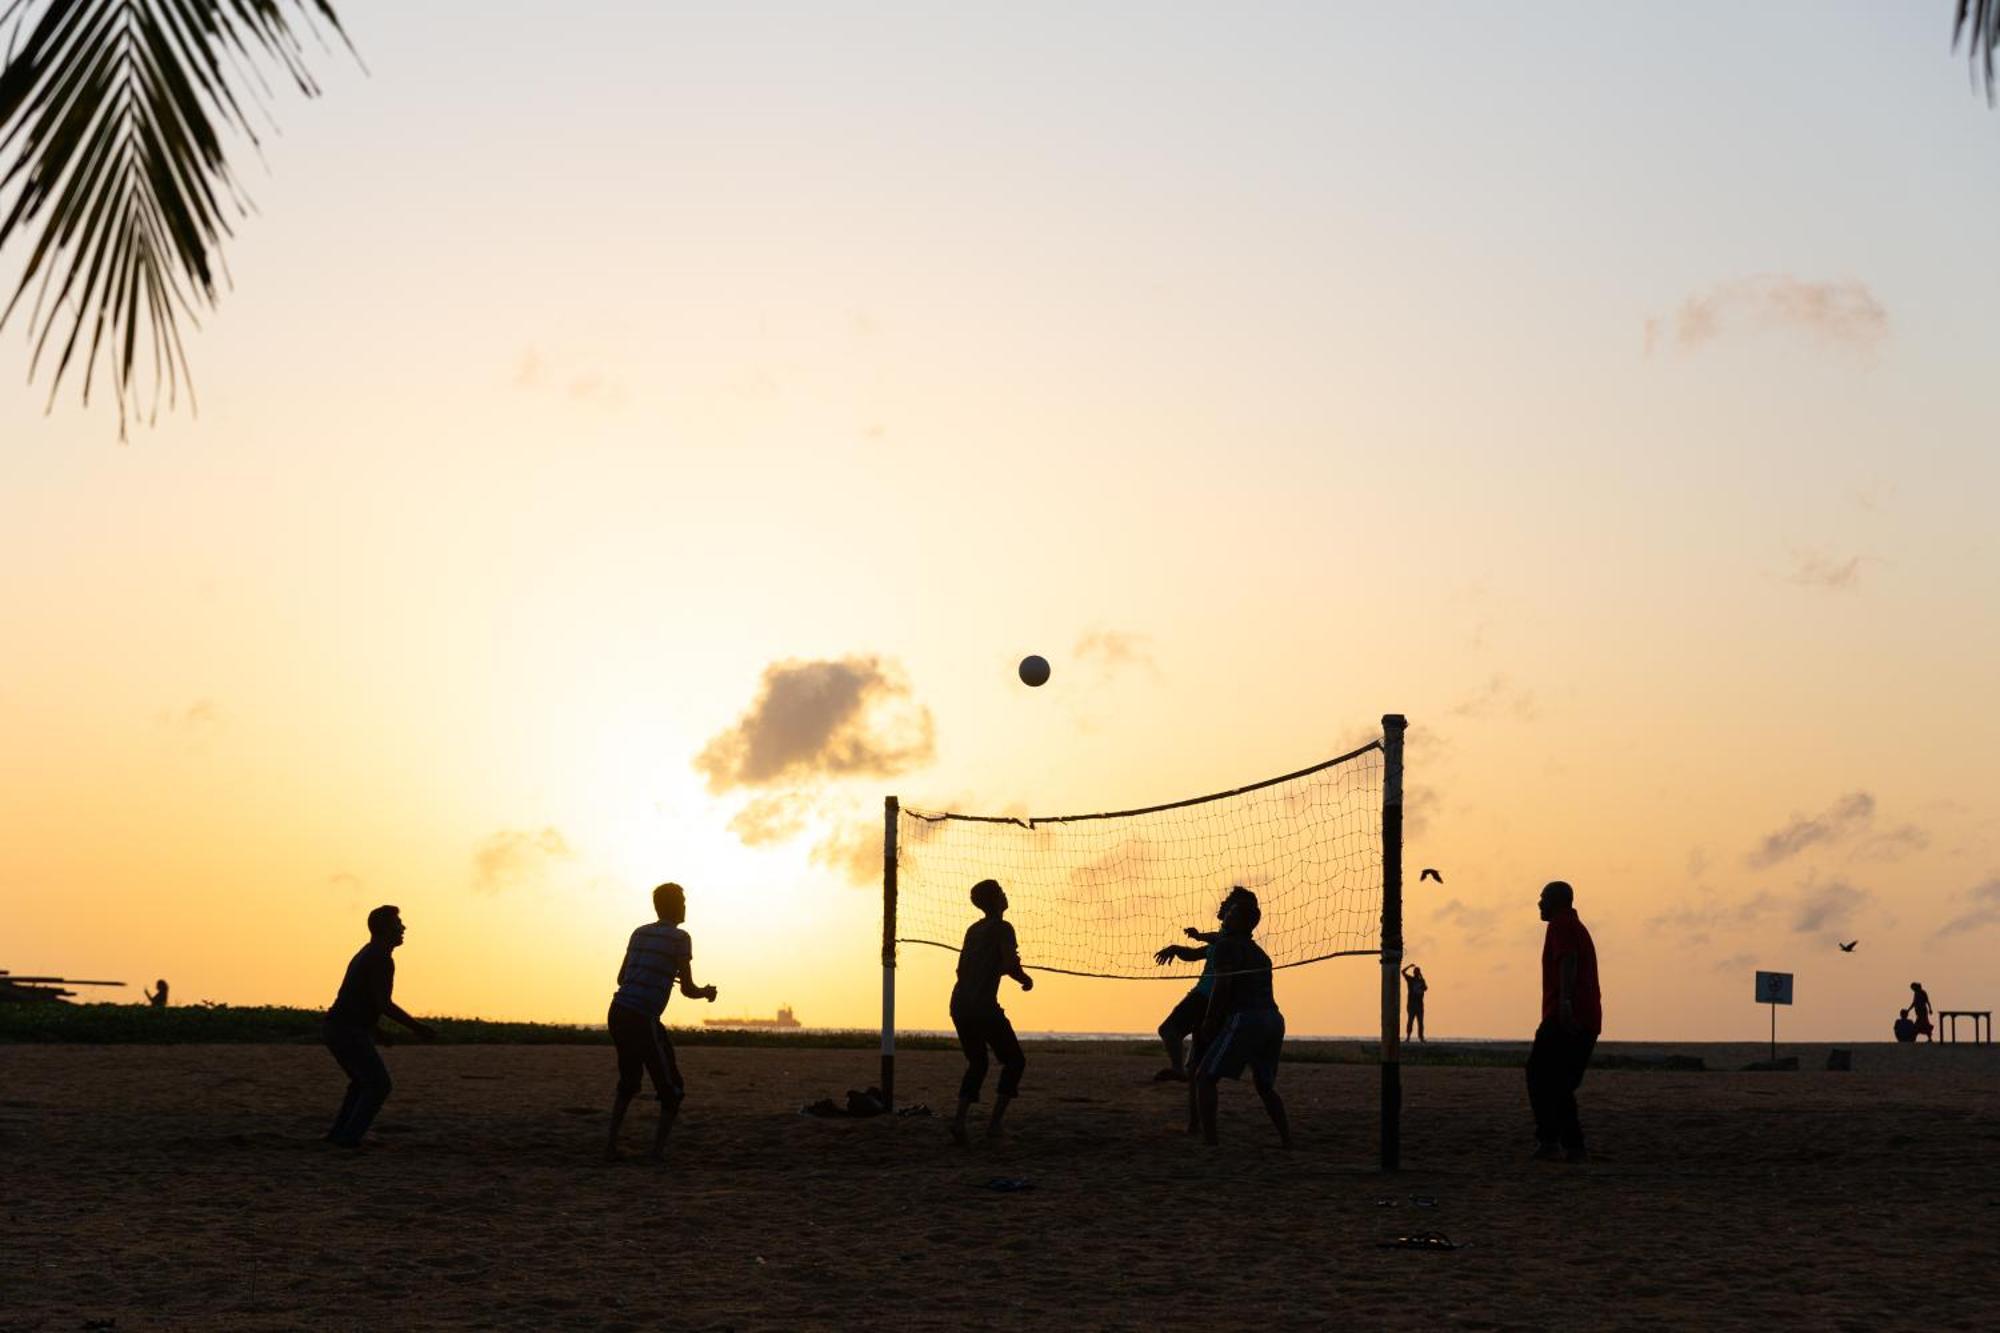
[1243, 1026]
[658, 955]
[989, 953]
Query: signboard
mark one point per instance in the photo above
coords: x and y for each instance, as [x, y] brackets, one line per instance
[1774, 988]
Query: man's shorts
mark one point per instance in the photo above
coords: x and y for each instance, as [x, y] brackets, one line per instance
[643, 1044]
[1187, 1015]
[1249, 1037]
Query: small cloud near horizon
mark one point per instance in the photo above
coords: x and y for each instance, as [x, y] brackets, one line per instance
[1829, 908]
[1846, 815]
[1842, 314]
[1983, 912]
[1815, 569]
[517, 858]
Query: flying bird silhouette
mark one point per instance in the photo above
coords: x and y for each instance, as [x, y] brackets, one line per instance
[1430, 874]
[1849, 946]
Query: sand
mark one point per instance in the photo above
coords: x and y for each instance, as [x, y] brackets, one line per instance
[185, 1187]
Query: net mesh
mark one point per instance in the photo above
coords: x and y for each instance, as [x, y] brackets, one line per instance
[1098, 895]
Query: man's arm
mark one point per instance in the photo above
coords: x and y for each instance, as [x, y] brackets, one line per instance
[1182, 952]
[688, 988]
[1218, 1007]
[1205, 936]
[385, 982]
[1014, 968]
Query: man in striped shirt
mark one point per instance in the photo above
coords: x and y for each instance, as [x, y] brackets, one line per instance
[659, 955]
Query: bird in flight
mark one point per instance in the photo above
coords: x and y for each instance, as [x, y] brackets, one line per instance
[1849, 946]
[1430, 874]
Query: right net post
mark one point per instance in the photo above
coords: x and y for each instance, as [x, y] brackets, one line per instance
[1393, 726]
[891, 808]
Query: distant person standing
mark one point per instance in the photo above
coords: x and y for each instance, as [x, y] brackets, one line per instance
[658, 955]
[1920, 1011]
[1414, 977]
[349, 1030]
[989, 953]
[1572, 1017]
[158, 996]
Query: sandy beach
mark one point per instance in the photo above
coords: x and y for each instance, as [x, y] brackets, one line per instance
[185, 1187]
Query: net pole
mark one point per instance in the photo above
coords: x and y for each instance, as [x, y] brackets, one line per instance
[891, 809]
[1393, 726]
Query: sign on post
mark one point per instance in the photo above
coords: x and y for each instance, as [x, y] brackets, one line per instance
[1774, 989]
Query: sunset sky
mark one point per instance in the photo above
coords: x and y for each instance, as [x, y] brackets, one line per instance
[1607, 388]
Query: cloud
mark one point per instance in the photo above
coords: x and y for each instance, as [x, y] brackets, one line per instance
[1894, 844]
[514, 858]
[853, 848]
[1115, 649]
[1736, 962]
[1499, 696]
[1813, 569]
[826, 719]
[1828, 908]
[588, 388]
[1983, 912]
[1697, 922]
[1846, 815]
[1843, 314]
[1474, 923]
[772, 818]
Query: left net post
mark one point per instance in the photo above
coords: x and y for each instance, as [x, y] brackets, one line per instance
[891, 809]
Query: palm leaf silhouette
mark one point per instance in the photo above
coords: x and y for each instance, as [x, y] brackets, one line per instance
[1979, 25]
[115, 113]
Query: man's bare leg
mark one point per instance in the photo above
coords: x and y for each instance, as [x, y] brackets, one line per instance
[1276, 1106]
[670, 1108]
[1205, 1098]
[957, 1125]
[994, 1129]
[618, 1109]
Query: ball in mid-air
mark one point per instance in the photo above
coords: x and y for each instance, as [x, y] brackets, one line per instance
[1034, 670]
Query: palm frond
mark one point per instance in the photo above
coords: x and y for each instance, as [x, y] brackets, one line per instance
[114, 122]
[1979, 25]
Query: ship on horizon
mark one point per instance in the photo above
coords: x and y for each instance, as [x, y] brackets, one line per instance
[785, 1019]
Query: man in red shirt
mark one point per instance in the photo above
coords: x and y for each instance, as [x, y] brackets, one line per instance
[1572, 1016]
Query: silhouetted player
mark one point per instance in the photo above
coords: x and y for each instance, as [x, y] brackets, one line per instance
[1414, 976]
[1572, 1016]
[989, 953]
[158, 997]
[1920, 1011]
[1185, 1019]
[658, 955]
[1243, 1026]
[349, 1029]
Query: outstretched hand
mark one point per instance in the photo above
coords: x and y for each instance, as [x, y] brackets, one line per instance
[708, 993]
[1027, 982]
[1166, 955]
[1192, 932]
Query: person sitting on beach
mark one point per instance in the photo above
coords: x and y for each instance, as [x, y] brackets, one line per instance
[1243, 1025]
[658, 955]
[158, 997]
[1905, 1029]
[349, 1028]
[1920, 1005]
[990, 952]
[1414, 975]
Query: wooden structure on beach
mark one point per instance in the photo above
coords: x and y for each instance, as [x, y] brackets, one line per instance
[41, 990]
